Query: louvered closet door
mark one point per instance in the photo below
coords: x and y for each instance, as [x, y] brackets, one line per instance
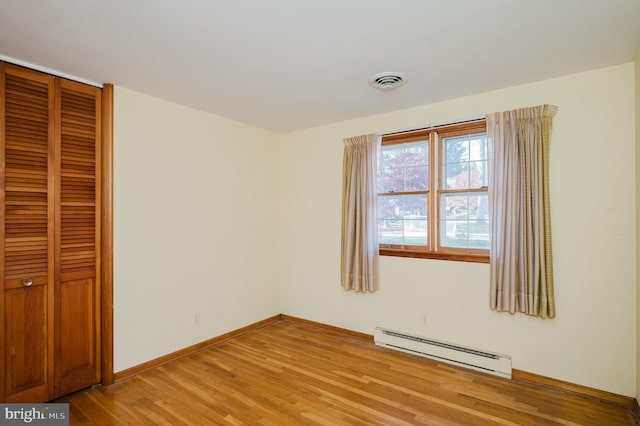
[26, 235]
[78, 237]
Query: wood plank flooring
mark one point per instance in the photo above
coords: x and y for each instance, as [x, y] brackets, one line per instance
[295, 374]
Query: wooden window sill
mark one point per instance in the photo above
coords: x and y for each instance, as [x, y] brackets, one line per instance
[433, 255]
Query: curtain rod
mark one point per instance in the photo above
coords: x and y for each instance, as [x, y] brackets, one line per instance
[48, 71]
[431, 126]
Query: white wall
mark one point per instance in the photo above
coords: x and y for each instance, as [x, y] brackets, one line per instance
[592, 339]
[196, 213]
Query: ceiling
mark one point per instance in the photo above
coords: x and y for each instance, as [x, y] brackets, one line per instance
[285, 65]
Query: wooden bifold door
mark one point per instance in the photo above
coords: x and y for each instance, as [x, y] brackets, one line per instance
[49, 235]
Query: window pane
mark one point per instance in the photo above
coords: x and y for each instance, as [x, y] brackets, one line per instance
[465, 161]
[464, 220]
[402, 206]
[389, 207]
[455, 206]
[456, 149]
[415, 232]
[406, 232]
[402, 219]
[416, 153]
[390, 231]
[414, 211]
[478, 174]
[392, 155]
[478, 147]
[417, 178]
[392, 180]
[404, 167]
[414, 206]
[457, 175]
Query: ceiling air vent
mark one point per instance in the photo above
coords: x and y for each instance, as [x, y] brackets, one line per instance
[388, 80]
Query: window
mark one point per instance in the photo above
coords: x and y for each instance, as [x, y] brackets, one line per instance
[432, 193]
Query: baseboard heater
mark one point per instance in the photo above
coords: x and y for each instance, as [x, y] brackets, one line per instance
[487, 362]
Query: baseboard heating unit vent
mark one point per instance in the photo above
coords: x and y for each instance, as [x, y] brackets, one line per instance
[487, 362]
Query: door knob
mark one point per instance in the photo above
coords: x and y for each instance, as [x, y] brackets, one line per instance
[27, 282]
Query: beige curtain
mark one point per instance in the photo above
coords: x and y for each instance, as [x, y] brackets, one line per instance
[521, 264]
[359, 254]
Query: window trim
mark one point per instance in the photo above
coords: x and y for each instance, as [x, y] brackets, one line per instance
[434, 250]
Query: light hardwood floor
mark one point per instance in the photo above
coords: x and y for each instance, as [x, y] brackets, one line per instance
[296, 374]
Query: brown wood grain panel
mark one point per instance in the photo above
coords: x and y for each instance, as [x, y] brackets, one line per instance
[26, 145]
[3, 283]
[76, 362]
[17, 282]
[77, 243]
[106, 236]
[25, 328]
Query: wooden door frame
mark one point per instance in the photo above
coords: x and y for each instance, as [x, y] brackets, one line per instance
[106, 304]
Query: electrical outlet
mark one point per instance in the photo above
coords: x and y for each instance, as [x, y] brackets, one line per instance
[196, 319]
[424, 319]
